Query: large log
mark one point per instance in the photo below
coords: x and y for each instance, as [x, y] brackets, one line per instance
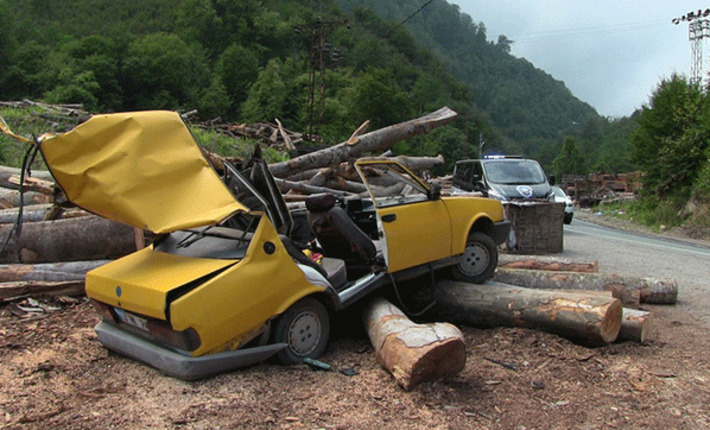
[48, 272]
[38, 212]
[592, 319]
[7, 172]
[74, 239]
[13, 290]
[11, 198]
[556, 264]
[413, 353]
[377, 140]
[649, 290]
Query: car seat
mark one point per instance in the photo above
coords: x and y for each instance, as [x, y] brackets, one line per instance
[339, 236]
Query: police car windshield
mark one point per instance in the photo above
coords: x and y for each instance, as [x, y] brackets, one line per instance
[509, 172]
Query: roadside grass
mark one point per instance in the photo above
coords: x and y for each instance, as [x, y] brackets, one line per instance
[650, 212]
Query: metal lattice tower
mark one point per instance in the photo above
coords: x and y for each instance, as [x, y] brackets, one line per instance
[698, 31]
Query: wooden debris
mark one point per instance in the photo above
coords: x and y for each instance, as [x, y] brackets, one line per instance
[48, 272]
[41, 186]
[592, 319]
[13, 290]
[650, 290]
[557, 264]
[413, 353]
[85, 238]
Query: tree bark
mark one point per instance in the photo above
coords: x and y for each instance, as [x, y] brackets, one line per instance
[11, 198]
[285, 185]
[13, 290]
[38, 212]
[7, 172]
[377, 140]
[556, 264]
[85, 238]
[649, 290]
[592, 319]
[48, 272]
[413, 353]
[635, 325]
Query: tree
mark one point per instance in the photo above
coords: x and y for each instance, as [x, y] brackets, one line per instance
[377, 97]
[570, 161]
[267, 96]
[672, 135]
[162, 71]
[237, 68]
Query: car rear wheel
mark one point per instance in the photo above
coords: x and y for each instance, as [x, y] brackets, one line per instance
[479, 259]
[305, 328]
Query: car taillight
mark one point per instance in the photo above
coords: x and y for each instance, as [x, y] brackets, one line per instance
[187, 340]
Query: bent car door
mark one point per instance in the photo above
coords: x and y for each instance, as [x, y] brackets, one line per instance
[416, 224]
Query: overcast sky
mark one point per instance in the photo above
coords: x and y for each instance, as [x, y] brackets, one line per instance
[610, 54]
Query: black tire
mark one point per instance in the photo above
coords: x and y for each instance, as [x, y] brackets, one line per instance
[479, 259]
[305, 328]
[568, 218]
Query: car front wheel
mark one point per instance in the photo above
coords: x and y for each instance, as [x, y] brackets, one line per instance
[305, 328]
[479, 259]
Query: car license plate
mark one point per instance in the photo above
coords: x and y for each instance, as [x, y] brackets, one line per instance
[130, 319]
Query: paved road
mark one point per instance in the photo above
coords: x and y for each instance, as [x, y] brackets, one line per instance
[648, 256]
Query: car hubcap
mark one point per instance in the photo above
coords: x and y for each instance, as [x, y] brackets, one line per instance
[304, 333]
[475, 260]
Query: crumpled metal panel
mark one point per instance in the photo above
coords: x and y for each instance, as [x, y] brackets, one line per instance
[139, 168]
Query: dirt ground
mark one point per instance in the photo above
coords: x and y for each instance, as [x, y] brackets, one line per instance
[55, 374]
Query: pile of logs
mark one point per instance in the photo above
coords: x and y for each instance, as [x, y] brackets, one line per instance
[580, 304]
[271, 134]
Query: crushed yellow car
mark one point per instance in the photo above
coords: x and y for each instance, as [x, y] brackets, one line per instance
[227, 282]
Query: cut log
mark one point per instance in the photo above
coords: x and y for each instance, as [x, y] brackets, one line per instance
[412, 163]
[650, 290]
[285, 186]
[556, 264]
[413, 353]
[34, 184]
[75, 239]
[635, 325]
[592, 319]
[48, 272]
[11, 198]
[7, 172]
[377, 140]
[38, 212]
[13, 290]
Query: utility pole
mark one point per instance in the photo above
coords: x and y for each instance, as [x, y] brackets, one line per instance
[319, 52]
[698, 31]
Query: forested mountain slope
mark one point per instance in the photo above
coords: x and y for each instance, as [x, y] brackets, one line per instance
[249, 60]
[525, 103]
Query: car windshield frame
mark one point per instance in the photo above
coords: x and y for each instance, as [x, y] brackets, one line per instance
[514, 172]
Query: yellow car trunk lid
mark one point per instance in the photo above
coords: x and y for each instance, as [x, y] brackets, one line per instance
[140, 282]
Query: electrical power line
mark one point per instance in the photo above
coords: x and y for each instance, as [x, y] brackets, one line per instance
[550, 35]
[408, 18]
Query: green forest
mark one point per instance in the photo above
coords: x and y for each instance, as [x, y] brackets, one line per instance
[251, 60]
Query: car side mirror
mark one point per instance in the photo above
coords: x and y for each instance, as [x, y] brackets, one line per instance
[434, 192]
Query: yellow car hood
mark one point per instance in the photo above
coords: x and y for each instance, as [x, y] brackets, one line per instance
[140, 282]
[140, 168]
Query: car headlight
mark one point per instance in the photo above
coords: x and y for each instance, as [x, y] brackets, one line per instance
[493, 194]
